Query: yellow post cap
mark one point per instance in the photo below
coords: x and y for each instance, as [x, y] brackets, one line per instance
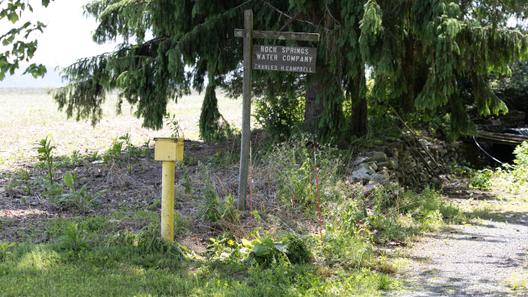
[168, 149]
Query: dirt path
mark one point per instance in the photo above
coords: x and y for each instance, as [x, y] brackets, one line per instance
[470, 260]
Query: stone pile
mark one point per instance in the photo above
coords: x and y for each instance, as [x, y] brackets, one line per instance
[410, 162]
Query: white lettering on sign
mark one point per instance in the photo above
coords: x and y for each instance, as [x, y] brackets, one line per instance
[268, 49]
[267, 57]
[303, 59]
[296, 50]
[265, 67]
[284, 58]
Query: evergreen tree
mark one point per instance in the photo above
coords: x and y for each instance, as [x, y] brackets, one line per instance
[417, 51]
[20, 47]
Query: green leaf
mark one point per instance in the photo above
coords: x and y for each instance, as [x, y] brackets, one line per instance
[261, 250]
[69, 179]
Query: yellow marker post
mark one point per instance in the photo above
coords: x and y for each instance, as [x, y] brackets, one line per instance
[167, 200]
[168, 151]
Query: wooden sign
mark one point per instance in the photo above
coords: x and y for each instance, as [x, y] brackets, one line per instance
[284, 58]
[266, 57]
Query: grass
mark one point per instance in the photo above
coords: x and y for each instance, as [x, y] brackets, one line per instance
[83, 279]
[502, 192]
[88, 258]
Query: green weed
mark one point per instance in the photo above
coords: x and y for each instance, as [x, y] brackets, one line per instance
[518, 282]
[113, 154]
[174, 126]
[211, 210]
[296, 167]
[73, 240]
[45, 156]
[230, 212]
[213, 207]
[71, 161]
[68, 196]
[186, 179]
[6, 249]
[20, 180]
[263, 251]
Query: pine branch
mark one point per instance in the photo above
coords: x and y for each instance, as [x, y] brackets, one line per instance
[288, 16]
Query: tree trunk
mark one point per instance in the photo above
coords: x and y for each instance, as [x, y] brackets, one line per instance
[409, 78]
[313, 108]
[359, 121]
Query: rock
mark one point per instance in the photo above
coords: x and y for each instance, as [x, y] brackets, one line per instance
[370, 187]
[392, 164]
[363, 172]
[378, 157]
[359, 160]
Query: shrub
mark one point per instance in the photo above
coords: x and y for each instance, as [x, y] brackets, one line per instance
[266, 252]
[520, 172]
[296, 249]
[280, 115]
[481, 179]
[263, 251]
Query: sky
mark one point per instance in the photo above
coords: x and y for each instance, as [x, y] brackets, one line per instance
[67, 37]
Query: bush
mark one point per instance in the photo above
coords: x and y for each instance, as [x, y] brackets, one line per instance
[481, 180]
[280, 115]
[263, 251]
[296, 249]
[520, 172]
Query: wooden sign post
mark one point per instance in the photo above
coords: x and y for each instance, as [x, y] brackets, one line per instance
[267, 57]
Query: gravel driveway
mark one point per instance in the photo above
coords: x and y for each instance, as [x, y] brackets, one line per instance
[470, 260]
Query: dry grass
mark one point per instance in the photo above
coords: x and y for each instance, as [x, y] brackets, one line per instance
[26, 116]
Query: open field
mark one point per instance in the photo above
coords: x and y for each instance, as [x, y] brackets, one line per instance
[26, 116]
